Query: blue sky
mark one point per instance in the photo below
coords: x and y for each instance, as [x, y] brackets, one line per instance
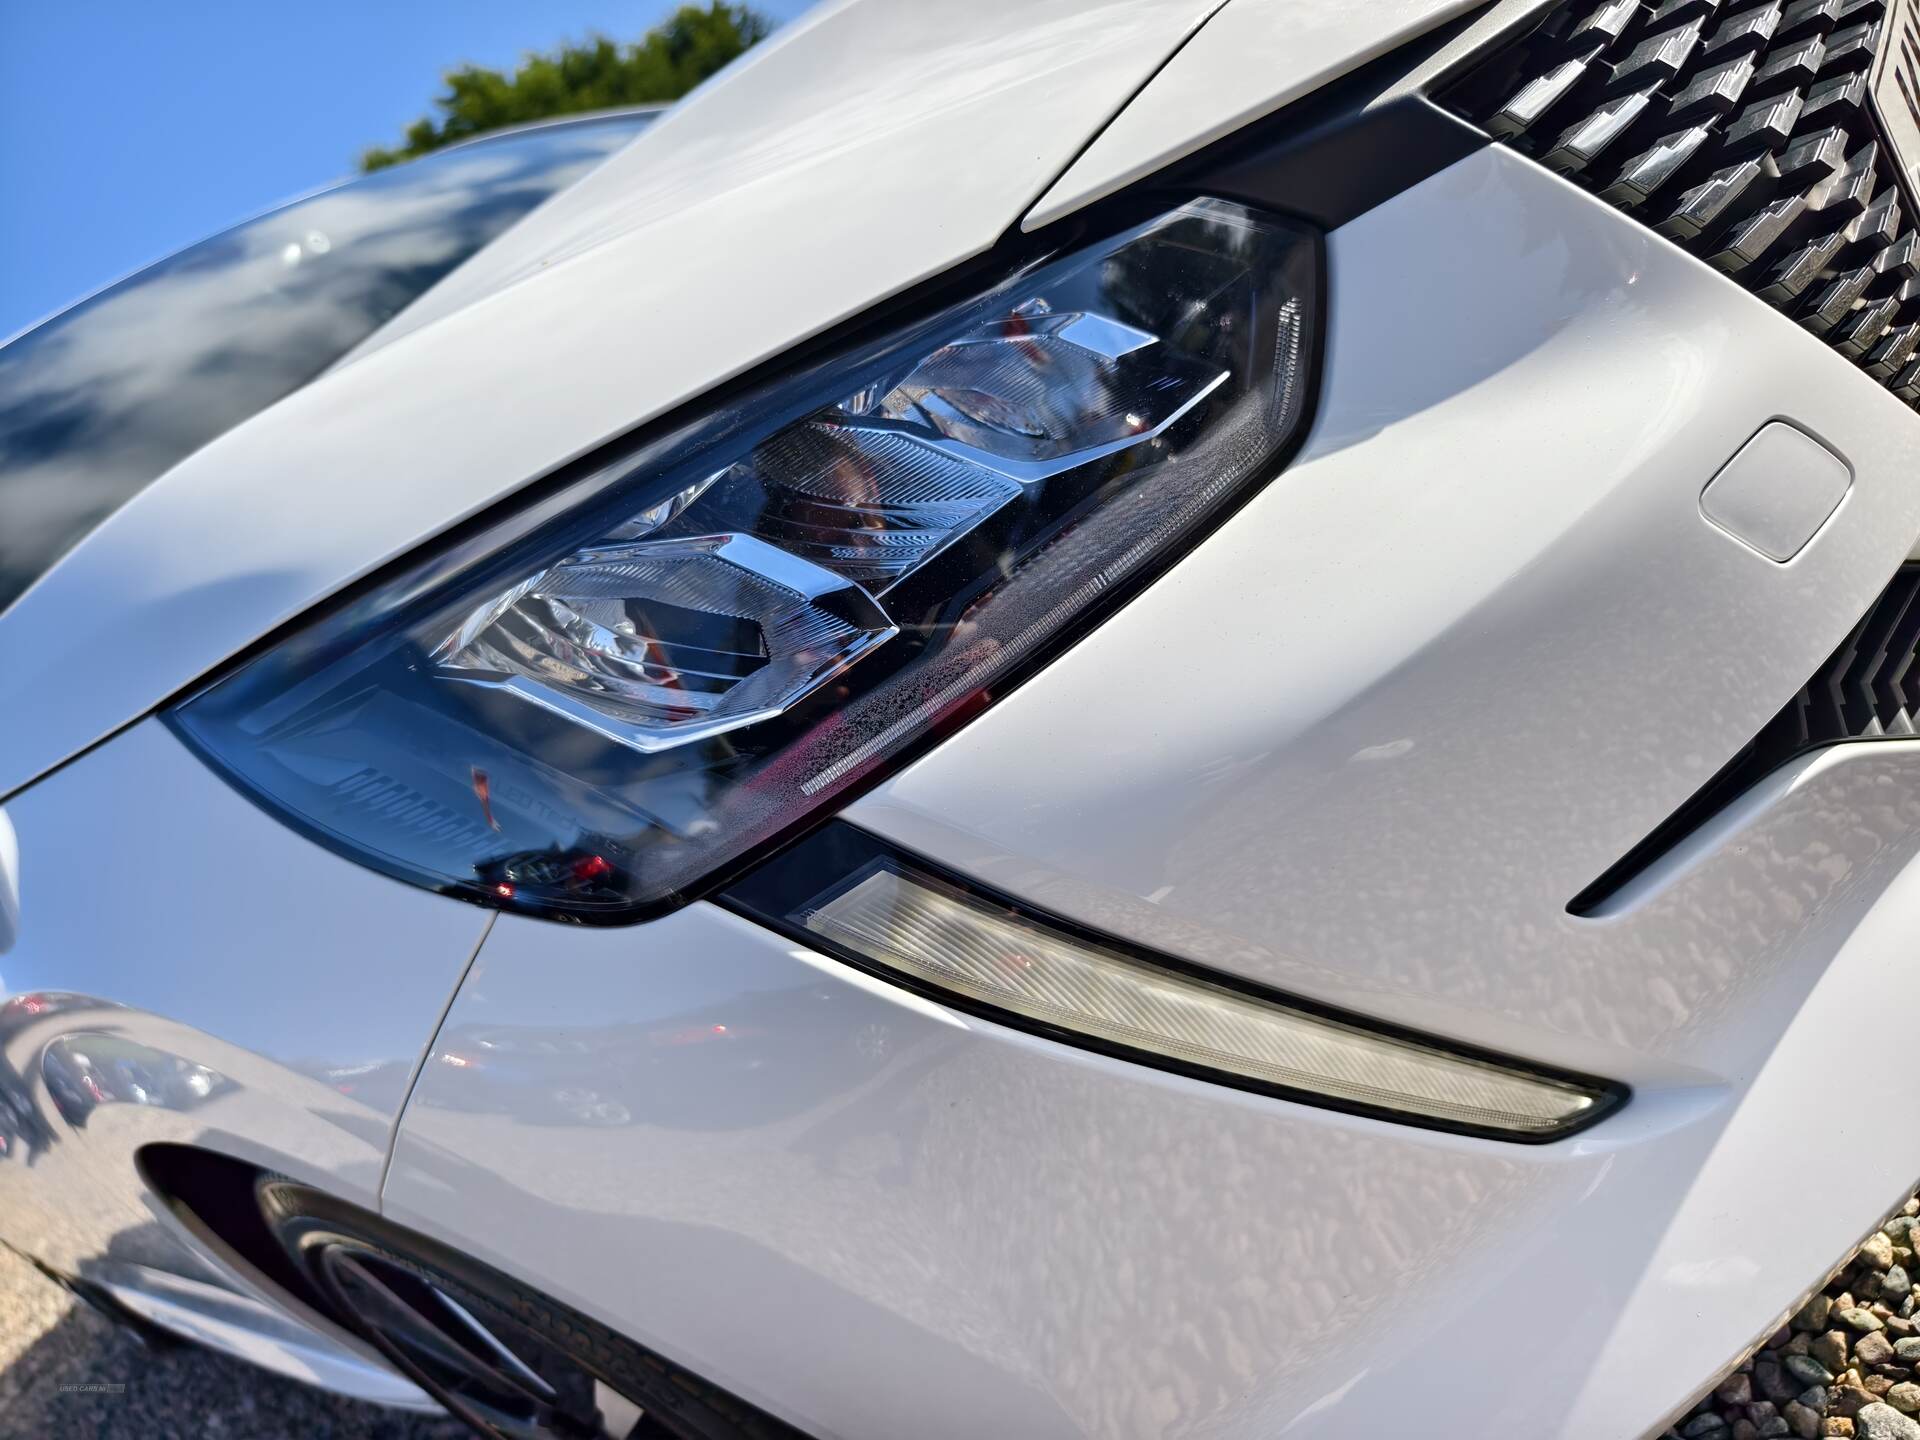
[129, 128]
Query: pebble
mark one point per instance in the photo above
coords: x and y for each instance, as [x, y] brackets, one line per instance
[1877, 1250]
[1805, 1423]
[1854, 1318]
[1830, 1350]
[1812, 1316]
[1907, 1347]
[1873, 1348]
[1894, 1281]
[1850, 1399]
[1883, 1422]
[1904, 1397]
[1808, 1371]
[1772, 1380]
[1702, 1425]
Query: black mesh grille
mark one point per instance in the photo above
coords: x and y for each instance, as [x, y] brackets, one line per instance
[1744, 131]
[1869, 689]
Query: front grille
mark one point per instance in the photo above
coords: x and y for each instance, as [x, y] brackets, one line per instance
[1869, 689]
[1745, 132]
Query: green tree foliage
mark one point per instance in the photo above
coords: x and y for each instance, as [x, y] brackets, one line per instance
[668, 61]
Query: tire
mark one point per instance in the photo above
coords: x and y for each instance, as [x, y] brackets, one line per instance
[360, 1265]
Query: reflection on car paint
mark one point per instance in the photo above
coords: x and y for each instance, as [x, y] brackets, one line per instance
[91, 1068]
[97, 402]
[743, 1057]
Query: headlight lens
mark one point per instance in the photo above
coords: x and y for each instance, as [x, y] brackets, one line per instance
[623, 688]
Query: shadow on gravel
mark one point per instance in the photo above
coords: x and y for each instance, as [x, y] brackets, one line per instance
[85, 1377]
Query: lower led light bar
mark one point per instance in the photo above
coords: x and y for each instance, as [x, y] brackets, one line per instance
[949, 941]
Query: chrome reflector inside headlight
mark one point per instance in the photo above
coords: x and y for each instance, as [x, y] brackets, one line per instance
[688, 648]
[657, 643]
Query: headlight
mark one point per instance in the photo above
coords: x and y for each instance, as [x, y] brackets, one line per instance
[601, 701]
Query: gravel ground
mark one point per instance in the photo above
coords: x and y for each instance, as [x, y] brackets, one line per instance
[66, 1372]
[1847, 1364]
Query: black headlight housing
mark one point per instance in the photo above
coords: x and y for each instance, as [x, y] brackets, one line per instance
[599, 704]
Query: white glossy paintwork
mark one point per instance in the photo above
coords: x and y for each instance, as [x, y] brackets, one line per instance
[867, 148]
[1778, 491]
[879, 1217]
[1475, 643]
[1252, 58]
[164, 919]
[1471, 647]
[1363, 744]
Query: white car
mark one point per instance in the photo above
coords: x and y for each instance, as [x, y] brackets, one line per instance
[1151, 719]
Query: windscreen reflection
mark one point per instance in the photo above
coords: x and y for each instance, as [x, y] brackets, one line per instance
[99, 401]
